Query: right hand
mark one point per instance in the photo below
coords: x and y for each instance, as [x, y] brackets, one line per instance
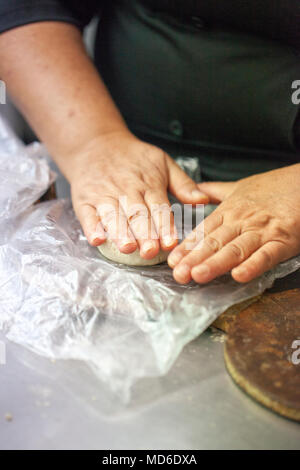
[119, 164]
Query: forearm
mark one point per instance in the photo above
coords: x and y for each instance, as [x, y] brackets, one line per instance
[297, 132]
[57, 88]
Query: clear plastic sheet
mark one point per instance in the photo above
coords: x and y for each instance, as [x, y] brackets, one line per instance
[24, 173]
[61, 299]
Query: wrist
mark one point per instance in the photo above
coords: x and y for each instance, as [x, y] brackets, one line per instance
[99, 147]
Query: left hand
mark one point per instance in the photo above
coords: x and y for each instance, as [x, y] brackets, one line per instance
[255, 227]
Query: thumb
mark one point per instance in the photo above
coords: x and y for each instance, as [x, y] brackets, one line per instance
[183, 187]
[217, 191]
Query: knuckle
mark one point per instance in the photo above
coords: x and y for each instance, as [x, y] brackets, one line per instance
[283, 231]
[190, 240]
[108, 213]
[263, 219]
[256, 219]
[136, 217]
[199, 236]
[213, 244]
[236, 251]
[219, 218]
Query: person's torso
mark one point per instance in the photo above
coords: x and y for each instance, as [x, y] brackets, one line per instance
[212, 73]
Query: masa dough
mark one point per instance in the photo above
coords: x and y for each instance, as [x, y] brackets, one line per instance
[111, 252]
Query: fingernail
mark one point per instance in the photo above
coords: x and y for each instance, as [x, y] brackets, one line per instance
[174, 259]
[182, 271]
[97, 238]
[168, 241]
[148, 246]
[240, 271]
[202, 270]
[126, 243]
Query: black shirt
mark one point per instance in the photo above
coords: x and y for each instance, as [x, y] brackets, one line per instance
[212, 79]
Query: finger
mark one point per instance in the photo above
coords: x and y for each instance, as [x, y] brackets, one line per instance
[90, 223]
[114, 222]
[162, 216]
[265, 258]
[139, 221]
[217, 191]
[211, 223]
[211, 244]
[183, 187]
[230, 256]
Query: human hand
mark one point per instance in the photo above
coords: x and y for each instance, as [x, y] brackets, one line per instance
[119, 164]
[255, 227]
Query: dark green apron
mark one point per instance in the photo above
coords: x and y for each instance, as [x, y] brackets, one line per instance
[198, 90]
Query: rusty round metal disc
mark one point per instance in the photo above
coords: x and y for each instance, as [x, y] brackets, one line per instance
[261, 352]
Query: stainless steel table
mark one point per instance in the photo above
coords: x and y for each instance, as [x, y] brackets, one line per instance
[61, 405]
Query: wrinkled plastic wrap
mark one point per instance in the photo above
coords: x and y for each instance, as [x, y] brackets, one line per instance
[61, 299]
[24, 173]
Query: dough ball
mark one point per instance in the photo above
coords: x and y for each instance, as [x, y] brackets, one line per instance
[110, 251]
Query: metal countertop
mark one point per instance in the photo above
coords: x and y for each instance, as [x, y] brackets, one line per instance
[61, 405]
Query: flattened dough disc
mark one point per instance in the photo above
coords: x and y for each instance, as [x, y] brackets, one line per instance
[111, 252]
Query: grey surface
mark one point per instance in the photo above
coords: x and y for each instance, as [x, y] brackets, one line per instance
[61, 405]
